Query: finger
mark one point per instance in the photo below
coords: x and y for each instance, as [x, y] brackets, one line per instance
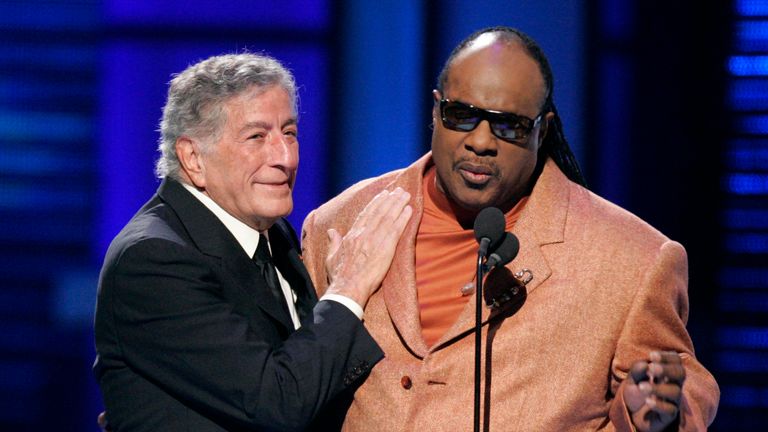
[402, 220]
[666, 357]
[634, 397]
[393, 210]
[666, 411]
[639, 371]
[667, 373]
[334, 242]
[373, 207]
[388, 209]
[668, 392]
[382, 214]
[387, 233]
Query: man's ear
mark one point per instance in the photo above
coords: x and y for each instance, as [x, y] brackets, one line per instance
[190, 159]
[437, 96]
[544, 127]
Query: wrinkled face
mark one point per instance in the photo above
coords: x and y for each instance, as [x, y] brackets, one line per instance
[250, 171]
[476, 169]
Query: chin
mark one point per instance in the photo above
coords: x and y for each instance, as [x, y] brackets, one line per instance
[471, 199]
[275, 209]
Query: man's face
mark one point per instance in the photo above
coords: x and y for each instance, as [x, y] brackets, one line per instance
[476, 169]
[250, 171]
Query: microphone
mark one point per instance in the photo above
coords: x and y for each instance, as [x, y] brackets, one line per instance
[506, 252]
[489, 229]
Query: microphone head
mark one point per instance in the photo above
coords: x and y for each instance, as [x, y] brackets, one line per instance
[508, 249]
[490, 224]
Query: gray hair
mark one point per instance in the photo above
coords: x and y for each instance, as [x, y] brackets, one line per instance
[196, 97]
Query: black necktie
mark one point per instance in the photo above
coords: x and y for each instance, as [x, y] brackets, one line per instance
[264, 260]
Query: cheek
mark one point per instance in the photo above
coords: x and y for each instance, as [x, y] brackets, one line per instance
[520, 163]
[442, 146]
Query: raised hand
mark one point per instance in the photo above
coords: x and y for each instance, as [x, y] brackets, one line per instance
[654, 391]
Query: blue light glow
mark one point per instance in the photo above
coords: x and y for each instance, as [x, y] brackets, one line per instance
[752, 7]
[744, 278]
[740, 362]
[747, 184]
[25, 90]
[746, 219]
[40, 198]
[31, 126]
[748, 94]
[756, 65]
[744, 337]
[42, 162]
[744, 397]
[747, 243]
[55, 57]
[748, 159]
[743, 302]
[752, 35]
[753, 124]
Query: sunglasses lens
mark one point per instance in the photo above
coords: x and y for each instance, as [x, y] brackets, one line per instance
[460, 117]
[508, 130]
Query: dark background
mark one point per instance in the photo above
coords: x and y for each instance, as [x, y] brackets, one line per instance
[664, 102]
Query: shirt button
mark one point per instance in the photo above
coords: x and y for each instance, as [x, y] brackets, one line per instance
[406, 382]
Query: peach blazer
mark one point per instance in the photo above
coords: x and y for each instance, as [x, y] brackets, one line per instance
[607, 289]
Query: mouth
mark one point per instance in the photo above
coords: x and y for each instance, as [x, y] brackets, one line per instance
[274, 185]
[475, 174]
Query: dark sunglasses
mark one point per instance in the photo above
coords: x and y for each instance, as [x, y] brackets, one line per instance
[462, 117]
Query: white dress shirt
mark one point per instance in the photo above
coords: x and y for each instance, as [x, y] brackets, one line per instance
[249, 240]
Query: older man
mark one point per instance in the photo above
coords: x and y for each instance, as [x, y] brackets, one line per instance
[600, 292]
[206, 317]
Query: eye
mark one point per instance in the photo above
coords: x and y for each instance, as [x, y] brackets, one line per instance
[257, 136]
[291, 132]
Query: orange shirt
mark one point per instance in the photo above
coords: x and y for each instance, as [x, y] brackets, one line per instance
[446, 256]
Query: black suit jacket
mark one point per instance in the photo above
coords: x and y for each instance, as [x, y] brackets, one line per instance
[188, 337]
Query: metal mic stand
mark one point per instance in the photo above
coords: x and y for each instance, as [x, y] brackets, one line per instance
[478, 335]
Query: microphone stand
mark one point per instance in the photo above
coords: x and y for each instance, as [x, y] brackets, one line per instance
[478, 335]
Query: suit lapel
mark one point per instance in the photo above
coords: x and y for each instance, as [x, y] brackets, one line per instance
[399, 286]
[287, 259]
[212, 238]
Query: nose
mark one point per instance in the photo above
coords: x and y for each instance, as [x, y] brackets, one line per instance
[284, 151]
[481, 140]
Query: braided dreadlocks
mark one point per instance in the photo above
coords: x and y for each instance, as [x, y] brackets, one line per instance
[555, 145]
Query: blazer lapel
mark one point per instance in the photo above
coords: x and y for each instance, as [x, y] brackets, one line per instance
[213, 239]
[286, 255]
[399, 285]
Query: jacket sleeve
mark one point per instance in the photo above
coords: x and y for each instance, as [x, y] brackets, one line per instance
[656, 321]
[174, 327]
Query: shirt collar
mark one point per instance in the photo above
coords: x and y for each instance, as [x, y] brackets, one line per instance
[245, 235]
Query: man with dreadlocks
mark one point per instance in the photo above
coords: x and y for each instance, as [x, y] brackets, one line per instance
[595, 337]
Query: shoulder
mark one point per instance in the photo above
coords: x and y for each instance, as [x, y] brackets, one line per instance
[345, 207]
[154, 225]
[609, 217]
[605, 229]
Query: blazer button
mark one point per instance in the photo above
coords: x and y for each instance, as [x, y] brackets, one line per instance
[406, 382]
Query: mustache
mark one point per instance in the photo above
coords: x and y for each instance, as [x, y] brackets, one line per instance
[474, 165]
